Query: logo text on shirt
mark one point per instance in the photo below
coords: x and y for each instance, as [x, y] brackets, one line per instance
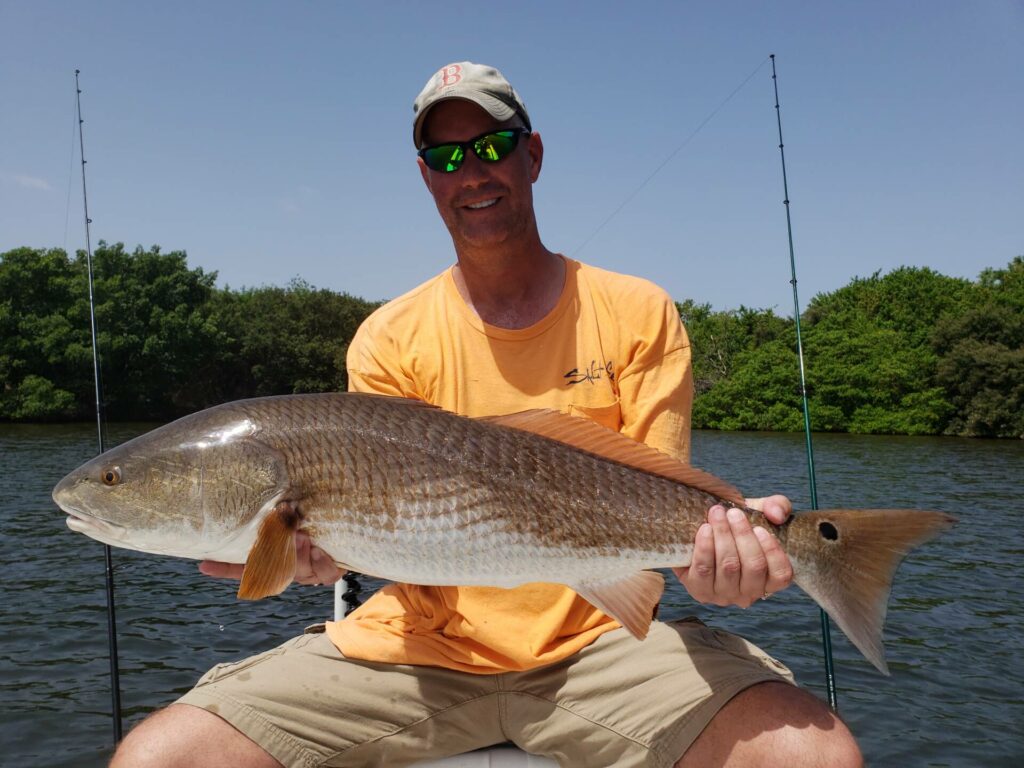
[590, 373]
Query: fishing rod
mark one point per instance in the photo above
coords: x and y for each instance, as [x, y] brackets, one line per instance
[826, 635]
[115, 677]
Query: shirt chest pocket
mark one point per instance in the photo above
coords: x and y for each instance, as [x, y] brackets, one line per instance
[609, 416]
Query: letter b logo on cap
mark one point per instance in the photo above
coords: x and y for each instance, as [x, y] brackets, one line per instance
[449, 75]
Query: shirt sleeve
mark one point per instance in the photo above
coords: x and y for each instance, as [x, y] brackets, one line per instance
[656, 386]
[372, 369]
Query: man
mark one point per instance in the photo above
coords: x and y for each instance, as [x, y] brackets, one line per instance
[422, 672]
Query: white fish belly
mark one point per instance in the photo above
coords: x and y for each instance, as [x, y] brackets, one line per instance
[484, 555]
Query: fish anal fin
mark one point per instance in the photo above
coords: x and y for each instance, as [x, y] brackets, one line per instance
[631, 600]
[270, 567]
[589, 436]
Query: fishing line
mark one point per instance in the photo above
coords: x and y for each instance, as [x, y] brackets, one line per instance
[826, 637]
[825, 629]
[115, 677]
[668, 159]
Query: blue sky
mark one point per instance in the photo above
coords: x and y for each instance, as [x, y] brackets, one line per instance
[272, 140]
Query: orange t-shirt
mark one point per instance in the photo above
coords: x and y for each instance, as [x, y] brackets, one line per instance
[613, 349]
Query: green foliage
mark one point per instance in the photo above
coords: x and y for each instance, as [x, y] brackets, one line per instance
[872, 380]
[873, 370]
[980, 347]
[872, 364]
[286, 340]
[744, 373]
[37, 399]
[40, 322]
[156, 338]
[718, 338]
[153, 333]
[170, 342]
[910, 352]
[762, 392]
[908, 300]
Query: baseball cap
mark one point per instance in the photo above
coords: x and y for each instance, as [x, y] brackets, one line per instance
[478, 83]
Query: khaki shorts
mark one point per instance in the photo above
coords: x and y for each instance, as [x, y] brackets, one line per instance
[618, 702]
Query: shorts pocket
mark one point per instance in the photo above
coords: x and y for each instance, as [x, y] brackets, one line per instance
[742, 648]
[708, 636]
[230, 668]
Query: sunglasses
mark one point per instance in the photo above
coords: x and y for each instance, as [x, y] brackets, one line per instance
[490, 147]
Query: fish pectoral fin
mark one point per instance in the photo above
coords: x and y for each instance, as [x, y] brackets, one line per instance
[270, 567]
[630, 600]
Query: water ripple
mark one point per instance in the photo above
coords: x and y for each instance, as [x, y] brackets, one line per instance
[954, 636]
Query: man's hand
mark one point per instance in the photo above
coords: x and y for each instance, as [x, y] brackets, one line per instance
[312, 565]
[734, 563]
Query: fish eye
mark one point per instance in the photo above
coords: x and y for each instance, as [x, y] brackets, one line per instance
[111, 476]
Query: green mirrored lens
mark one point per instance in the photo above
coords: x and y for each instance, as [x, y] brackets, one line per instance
[490, 148]
[494, 146]
[447, 157]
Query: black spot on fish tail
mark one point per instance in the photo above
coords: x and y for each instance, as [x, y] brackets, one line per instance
[828, 531]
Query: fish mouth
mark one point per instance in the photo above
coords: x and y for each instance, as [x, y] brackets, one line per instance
[79, 521]
[92, 526]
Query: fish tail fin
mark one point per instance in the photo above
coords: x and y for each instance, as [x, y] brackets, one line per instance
[846, 559]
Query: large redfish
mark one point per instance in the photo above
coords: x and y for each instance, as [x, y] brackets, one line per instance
[411, 493]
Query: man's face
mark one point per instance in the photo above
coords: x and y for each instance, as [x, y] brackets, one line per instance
[482, 204]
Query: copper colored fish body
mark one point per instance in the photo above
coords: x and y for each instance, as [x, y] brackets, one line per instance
[408, 492]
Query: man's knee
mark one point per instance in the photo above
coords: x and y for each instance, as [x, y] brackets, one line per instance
[810, 733]
[775, 724]
[183, 735]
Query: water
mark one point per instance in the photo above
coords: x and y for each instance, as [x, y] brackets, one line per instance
[955, 632]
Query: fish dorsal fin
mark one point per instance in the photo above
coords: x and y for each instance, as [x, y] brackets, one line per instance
[591, 437]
